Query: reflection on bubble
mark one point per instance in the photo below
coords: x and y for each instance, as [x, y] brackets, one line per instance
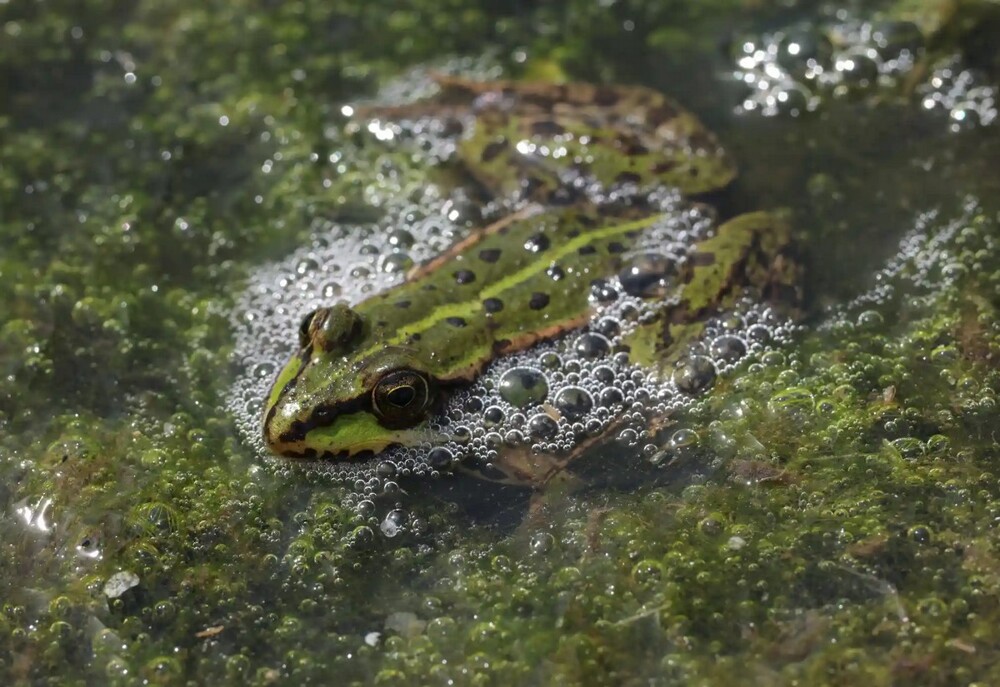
[792, 71]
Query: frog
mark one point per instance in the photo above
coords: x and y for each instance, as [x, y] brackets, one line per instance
[567, 159]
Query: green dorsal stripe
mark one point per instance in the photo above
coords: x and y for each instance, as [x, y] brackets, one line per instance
[464, 309]
[571, 246]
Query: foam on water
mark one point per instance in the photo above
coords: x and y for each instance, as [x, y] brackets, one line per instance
[547, 399]
[794, 70]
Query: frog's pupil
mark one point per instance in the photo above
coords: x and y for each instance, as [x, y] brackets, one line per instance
[402, 396]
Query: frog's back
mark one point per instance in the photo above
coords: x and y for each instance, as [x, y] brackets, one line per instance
[537, 140]
[522, 280]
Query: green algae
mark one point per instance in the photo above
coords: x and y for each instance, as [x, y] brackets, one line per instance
[845, 532]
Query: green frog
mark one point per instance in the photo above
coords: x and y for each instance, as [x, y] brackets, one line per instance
[574, 162]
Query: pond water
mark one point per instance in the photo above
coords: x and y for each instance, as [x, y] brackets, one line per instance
[181, 183]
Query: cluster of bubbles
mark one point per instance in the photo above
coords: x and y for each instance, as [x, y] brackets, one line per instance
[428, 138]
[926, 262]
[793, 70]
[790, 71]
[548, 400]
[961, 93]
[551, 399]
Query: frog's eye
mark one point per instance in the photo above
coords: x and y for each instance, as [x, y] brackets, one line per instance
[400, 398]
[331, 329]
[304, 328]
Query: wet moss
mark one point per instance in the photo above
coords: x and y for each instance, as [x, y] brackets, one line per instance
[152, 154]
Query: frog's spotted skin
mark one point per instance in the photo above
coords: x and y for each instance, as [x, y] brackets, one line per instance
[546, 142]
[340, 260]
[522, 280]
[615, 135]
[377, 374]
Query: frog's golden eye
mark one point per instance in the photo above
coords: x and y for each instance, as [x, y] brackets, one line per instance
[304, 328]
[400, 398]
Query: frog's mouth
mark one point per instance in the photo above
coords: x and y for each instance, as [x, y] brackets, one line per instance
[352, 434]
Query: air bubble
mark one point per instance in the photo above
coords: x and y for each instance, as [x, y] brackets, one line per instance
[551, 361]
[362, 537]
[800, 49]
[396, 263]
[591, 346]
[401, 238]
[683, 439]
[858, 66]
[649, 275]
[611, 397]
[759, 334]
[331, 290]
[542, 426]
[541, 543]
[602, 292]
[523, 387]
[514, 437]
[870, 319]
[608, 326]
[574, 402]
[493, 416]
[394, 523]
[695, 374]
[895, 37]
[728, 348]
[306, 265]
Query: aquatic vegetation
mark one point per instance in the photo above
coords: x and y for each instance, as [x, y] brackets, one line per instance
[822, 517]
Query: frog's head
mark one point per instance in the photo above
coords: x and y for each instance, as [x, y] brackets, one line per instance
[341, 397]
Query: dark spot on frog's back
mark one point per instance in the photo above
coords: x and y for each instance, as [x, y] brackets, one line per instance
[702, 259]
[630, 145]
[493, 149]
[492, 305]
[456, 321]
[402, 304]
[701, 140]
[465, 276]
[490, 255]
[538, 300]
[660, 114]
[537, 243]
[547, 127]
[663, 166]
[453, 127]
[628, 178]
[586, 250]
[605, 96]
[615, 248]
[531, 187]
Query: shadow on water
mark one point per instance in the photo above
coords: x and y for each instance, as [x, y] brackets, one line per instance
[605, 469]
